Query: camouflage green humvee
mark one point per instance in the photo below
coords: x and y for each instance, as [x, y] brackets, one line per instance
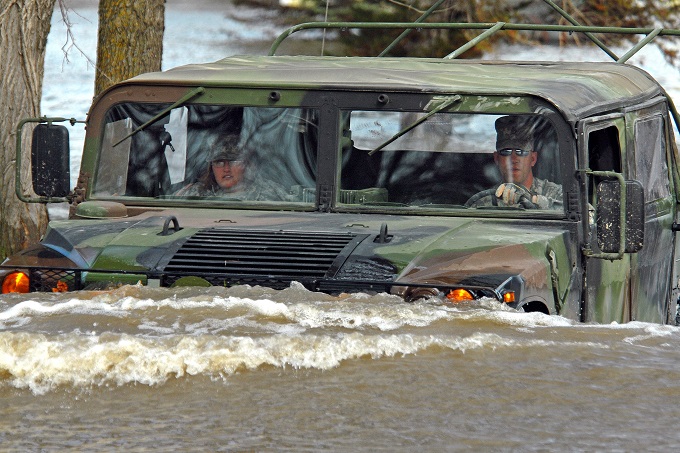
[552, 187]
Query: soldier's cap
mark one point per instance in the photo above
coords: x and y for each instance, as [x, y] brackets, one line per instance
[226, 148]
[515, 133]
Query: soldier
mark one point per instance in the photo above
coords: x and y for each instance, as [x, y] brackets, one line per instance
[515, 157]
[228, 175]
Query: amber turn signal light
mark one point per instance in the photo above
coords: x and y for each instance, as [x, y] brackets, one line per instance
[509, 297]
[16, 282]
[459, 295]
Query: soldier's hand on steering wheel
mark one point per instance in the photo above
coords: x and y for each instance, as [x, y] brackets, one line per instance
[541, 201]
[511, 193]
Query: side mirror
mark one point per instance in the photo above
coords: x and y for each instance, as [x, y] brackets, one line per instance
[50, 160]
[609, 213]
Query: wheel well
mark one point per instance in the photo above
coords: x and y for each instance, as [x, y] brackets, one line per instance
[535, 306]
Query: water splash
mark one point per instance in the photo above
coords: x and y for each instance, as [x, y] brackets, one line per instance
[142, 335]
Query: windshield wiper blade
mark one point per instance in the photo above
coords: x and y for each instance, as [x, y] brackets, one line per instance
[437, 104]
[186, 98]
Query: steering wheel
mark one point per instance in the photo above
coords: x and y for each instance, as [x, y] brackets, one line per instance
[524, 198]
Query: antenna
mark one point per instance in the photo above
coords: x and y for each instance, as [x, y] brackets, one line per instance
[323, 39]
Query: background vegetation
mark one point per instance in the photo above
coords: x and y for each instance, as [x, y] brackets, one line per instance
[438, 43]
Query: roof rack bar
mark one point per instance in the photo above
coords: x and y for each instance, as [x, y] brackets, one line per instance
[467, 26]
[403, 34]
[592, 37]
[473, 42]
[673, 109]
[640, 45]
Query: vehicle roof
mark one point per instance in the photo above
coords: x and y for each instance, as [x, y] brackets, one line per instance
[576, 88]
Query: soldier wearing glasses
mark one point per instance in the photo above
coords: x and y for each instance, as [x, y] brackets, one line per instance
[515, 158]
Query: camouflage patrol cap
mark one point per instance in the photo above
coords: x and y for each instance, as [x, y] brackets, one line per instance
[515, 133]
[226, 148]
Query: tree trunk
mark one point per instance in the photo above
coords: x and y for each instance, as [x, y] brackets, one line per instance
[130, 40]
[24, 26]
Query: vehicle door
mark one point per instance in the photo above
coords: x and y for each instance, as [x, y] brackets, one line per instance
[649, 135]
[606, 289]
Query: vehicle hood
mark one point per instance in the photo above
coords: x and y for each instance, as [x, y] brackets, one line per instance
[487, 254]
[348, 250]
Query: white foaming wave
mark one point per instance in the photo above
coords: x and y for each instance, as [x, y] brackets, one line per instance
[494, 311]
[213, 326]
[643, 330]
[23, 311]
[659, 329]
[263, 307]
[110, 305]
[41, 363]
[383, 312]
[355, 315]
[357, 312]
[535, 319]
[263, 313]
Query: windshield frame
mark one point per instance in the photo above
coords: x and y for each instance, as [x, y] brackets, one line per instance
[331, 104]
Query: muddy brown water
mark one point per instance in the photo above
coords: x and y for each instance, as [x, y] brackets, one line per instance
[253, 369]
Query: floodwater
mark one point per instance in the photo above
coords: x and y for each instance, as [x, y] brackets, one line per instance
[253, 369]
[256, 369]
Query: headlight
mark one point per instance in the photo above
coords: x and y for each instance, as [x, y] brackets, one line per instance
[16, 282]
[462, 295]
[459, 295]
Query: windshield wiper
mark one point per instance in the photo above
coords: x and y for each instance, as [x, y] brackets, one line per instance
[437, 104]
[186, 98]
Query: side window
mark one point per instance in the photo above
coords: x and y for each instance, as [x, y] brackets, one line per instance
[604, 153]
[604, 150]
[650, 157]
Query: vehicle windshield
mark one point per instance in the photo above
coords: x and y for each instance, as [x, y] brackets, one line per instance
[449, 161]
[238, 153]
[391, 159]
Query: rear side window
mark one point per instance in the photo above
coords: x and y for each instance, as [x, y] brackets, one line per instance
[650, 157]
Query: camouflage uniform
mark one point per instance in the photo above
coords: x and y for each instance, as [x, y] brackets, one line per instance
[551, 191]
[256, 190]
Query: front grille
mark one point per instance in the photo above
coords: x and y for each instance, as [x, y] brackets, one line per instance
[268, 258]
[46, 280]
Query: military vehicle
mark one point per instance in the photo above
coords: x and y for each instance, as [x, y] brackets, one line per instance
[551, 187]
